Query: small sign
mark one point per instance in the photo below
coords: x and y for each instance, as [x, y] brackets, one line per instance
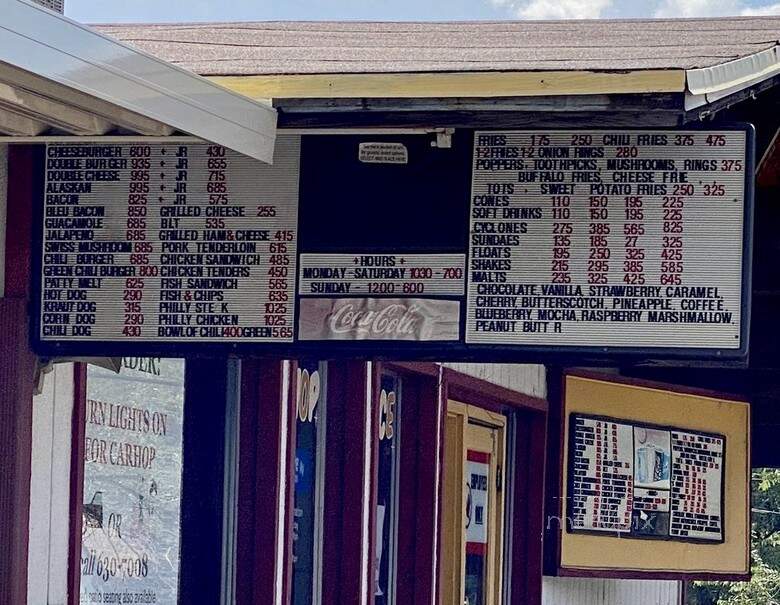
[478, 473]
[398, 319]
[382, 274]
[655, 481]
[644, 481]
[383, 153]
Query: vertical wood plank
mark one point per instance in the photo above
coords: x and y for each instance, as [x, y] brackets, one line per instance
[418, 490]
[16, 391]
[259, 484]
[343, 547]
[17, 372]
[78, 431]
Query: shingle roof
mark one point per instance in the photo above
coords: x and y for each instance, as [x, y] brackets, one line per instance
[266, 48]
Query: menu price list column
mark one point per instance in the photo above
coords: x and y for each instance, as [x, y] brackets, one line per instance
[697, 476]
[626, 238]
[168, 242]
[603, 476]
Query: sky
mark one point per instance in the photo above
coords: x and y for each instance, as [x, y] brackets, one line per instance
[109, 11]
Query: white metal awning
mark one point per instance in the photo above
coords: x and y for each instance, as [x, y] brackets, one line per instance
[59, 77]
[709, 84]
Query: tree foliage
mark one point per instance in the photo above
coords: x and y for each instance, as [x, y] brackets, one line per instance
[764, 586]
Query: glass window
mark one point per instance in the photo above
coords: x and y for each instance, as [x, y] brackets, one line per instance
[309, 452]
[132, 482]
[387, 490]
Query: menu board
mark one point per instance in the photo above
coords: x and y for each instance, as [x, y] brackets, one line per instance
[697, 464]
[592, 241]
[607, 238]
[168, 243]
[602, 476]
[645, 481]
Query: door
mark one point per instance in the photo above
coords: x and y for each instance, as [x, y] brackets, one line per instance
[472, 516]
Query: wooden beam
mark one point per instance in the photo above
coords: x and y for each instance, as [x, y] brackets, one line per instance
[477, 119]
[670, 102]
[447, 84]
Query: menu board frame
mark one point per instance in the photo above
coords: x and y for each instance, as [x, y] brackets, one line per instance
[453, 350]
[631, 535]
[645, 401]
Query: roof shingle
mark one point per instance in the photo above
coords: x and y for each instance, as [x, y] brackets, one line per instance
[282, 48]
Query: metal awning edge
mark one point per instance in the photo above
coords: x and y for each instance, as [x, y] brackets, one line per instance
[707, 84]
[76, 56]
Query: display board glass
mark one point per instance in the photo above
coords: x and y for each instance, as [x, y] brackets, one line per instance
[645, 481]
[310, 397]
[505, 243]
[388, 457]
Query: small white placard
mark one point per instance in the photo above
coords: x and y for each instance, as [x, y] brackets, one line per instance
[383, 153]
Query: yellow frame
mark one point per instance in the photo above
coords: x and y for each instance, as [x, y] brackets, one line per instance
[657, 405]
[461, 435]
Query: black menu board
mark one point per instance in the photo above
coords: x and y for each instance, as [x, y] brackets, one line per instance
[491, 245]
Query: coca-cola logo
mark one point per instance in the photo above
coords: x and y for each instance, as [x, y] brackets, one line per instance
[394, 320]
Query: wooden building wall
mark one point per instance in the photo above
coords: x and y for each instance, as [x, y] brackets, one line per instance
[50, 488]
[3, 212]
[586, 591]
[522, 378]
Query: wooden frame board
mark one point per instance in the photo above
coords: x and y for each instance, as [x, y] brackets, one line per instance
[647, 402]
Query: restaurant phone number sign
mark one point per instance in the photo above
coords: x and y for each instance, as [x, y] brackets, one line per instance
[598, 240]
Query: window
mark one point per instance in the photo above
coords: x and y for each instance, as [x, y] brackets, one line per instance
[132, 482]
[387, 489]
[309, 454]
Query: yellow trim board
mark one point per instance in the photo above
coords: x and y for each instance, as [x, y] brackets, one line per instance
[448, 84]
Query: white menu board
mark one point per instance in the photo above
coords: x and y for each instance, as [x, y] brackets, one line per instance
[607, 238]
[168, 242]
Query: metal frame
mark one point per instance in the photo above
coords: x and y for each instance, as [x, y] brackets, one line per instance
[458, 351]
